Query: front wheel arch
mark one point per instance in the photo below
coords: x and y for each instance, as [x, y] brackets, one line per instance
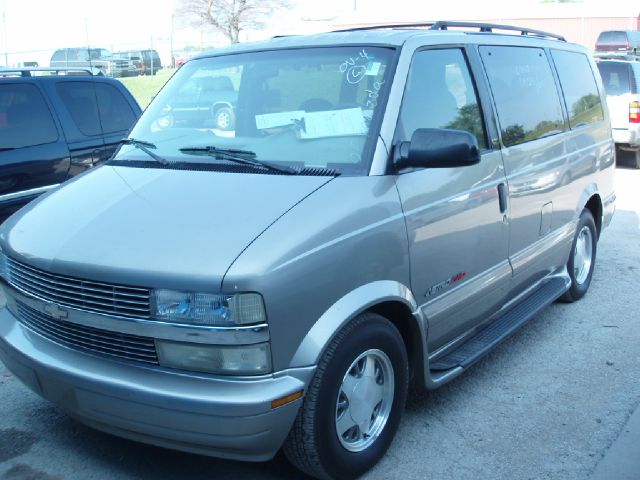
[315, 444]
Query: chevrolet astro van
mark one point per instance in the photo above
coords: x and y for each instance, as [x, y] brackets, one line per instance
[391, 203]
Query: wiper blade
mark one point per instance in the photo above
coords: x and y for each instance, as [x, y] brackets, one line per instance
[245, 157]
[6, 149]
[146, 148]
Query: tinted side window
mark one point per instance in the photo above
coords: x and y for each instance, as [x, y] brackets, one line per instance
[525, 93]
[440, 94]
[80, 100]
[115, 112]
[25, 119]
[615, 77]
[579, 87]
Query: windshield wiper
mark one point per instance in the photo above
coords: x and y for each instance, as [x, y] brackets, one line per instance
[6, 149]
[146, 148]
[245, 157]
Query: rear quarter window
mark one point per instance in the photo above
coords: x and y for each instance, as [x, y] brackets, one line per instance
[525, 93]
[579, 87]
[114, 110]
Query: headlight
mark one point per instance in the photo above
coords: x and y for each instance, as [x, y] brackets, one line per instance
[208, 309]
[221, 359]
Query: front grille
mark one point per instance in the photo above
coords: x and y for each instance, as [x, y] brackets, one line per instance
[87, 295]
[88, 339]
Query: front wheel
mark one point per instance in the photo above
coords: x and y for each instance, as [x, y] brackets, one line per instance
[353, 406]
[582, 258]
[224, 118]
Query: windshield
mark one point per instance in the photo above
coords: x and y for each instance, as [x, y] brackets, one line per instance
[301, 108]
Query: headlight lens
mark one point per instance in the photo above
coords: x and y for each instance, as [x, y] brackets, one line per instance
[208, 309]
[221, 359]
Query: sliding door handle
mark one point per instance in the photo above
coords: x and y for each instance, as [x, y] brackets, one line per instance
[503, 197]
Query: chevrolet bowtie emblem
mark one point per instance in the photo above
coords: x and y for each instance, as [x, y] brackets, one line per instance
[55, 311]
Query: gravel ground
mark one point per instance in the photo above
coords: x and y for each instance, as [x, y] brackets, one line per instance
[546, 404]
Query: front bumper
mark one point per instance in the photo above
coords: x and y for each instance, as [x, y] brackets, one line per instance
[222, 417]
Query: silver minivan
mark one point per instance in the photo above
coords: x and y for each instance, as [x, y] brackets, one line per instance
[390, 205]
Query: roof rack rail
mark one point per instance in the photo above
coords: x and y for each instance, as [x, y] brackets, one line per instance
[26, 71]
[489, 27]
[386, 26]
[445, 25]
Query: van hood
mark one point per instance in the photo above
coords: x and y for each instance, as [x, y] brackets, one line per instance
[151, 227]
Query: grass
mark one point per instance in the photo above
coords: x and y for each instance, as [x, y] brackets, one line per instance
[144, 88]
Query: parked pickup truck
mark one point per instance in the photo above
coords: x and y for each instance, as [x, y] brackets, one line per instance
[53, 127]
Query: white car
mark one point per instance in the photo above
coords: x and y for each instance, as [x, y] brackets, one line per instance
[621, 79]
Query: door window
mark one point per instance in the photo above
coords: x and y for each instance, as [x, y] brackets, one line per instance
[80, 100]
[524, 91]
[25, 119]
[440, 94]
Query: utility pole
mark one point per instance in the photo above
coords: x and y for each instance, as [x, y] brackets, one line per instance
[4, 26]
[173, 60]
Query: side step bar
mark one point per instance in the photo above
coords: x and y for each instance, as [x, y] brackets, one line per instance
[489, 337]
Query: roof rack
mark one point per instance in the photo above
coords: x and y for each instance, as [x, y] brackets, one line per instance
[445, 25]
[26, 71]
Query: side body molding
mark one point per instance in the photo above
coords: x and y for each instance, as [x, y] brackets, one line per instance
[345, 309]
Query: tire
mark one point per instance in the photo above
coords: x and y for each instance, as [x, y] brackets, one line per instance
[313, 444]
[636, 158]
[224, 118]
[583, 251]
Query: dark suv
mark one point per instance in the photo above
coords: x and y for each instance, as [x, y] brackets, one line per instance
[53, 127]
[149, 63]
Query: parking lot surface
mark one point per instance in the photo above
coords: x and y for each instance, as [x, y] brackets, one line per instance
[549, 403]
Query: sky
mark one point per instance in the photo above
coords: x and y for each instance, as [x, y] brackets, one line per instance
[32, 29]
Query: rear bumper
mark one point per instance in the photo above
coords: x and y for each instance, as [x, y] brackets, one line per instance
[627, 137]
[228, 418]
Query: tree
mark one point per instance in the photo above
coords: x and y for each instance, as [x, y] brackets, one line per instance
[229, 17]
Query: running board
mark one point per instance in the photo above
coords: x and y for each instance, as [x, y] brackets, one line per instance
[489, 337]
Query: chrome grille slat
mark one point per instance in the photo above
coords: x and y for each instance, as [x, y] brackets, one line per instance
[71, 282]
[89, 339]
[74, 330]
[81, 300]
[65, 294]
[87, 295]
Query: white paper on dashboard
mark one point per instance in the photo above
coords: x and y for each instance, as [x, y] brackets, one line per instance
[334, 123]
[280, 119]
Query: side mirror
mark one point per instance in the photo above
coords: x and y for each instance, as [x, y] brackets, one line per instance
[437, 148]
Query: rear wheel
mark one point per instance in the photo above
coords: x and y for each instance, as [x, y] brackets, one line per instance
[636, 158]
[354, 402]
[582, 258]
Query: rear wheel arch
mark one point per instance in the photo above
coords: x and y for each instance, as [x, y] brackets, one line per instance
[594, 205]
